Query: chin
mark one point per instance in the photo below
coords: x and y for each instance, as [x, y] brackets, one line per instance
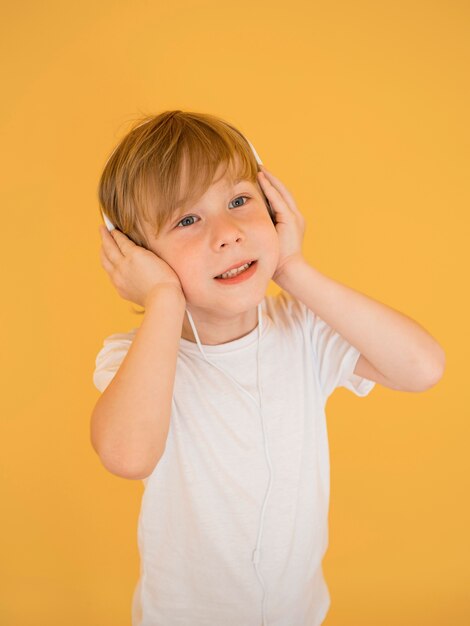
[238, 304]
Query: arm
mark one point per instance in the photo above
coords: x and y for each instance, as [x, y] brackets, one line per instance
[130, 421]
[395, 350]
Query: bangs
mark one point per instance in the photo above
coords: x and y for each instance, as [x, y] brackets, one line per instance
[165, 164]
[175, 185]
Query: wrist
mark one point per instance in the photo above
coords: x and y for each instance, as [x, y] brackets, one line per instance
[285, 271]
[165, 290]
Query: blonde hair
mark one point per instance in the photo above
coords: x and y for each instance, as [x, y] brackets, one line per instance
[167, 162]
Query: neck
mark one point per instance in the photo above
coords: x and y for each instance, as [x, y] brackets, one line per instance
[217, 332]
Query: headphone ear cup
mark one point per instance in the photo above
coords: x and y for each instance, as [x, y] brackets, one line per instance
[109, 225]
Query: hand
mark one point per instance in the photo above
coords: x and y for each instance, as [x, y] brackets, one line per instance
[134, 270]
[290, 224]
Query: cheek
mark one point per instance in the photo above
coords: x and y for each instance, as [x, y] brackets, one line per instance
[170, 254]
[271, 239]
[276, 252]
[186, 266]
[170, 258]
[272, 249]
[183, 260]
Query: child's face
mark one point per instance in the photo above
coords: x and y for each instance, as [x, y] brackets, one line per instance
[221, 230]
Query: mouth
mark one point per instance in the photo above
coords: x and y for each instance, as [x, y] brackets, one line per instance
[236, 269]
[238, 274]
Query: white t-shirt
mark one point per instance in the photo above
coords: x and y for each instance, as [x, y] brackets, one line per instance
[201, 507]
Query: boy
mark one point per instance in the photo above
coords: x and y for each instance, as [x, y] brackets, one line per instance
[229, 435]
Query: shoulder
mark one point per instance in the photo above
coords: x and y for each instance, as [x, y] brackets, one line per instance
[285, 310]
[116, 343]
[110, 357]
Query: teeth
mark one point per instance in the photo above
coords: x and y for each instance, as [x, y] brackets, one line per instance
[234, 272]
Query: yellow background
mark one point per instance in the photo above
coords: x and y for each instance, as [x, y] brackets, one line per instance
[361, 108]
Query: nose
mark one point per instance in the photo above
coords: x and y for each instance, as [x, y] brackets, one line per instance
[226, 231]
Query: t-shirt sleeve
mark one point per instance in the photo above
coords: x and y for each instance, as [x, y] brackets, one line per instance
[336, 359]
[110, 357]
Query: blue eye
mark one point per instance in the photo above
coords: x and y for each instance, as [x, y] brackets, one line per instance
[239, 199]
[184, 219]
[192, 216]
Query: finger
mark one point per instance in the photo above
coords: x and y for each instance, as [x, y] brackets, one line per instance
[106, 263]
[124, 244]
[110, 247]
[271, 189]
[276, 200]
[272, 181]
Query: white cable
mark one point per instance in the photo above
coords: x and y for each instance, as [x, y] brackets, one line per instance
[256, 552]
